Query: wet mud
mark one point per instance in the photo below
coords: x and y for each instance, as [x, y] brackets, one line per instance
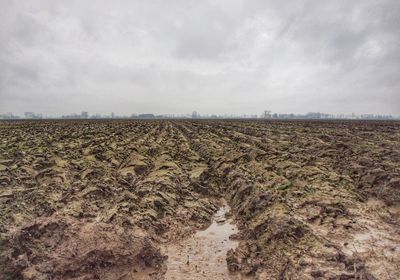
[142, 200]
[203, 254]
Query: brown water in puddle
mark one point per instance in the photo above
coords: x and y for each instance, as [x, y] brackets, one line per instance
[203, 255]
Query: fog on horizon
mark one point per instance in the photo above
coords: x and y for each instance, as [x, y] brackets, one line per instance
[215, 57]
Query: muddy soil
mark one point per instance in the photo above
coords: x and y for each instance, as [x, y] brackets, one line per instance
[142, 200]
[203, 254]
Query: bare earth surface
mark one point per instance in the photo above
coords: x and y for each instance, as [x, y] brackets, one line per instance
[203, 255]
[199, 200]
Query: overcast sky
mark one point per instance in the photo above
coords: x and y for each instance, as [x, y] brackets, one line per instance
[212, 56]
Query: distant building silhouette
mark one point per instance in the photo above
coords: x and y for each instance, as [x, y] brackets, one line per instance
[146, 116]
[31, 115]
[267, 114]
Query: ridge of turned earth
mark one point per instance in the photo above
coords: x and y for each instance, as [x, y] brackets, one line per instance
[97, 199]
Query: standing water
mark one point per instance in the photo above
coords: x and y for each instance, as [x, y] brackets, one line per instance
[203, 255]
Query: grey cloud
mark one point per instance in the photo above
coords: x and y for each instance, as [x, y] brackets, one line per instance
[211, 56]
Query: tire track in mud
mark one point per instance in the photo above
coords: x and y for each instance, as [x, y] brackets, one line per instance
[203, 255]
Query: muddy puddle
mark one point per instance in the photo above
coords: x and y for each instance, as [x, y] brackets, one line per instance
[203, 255]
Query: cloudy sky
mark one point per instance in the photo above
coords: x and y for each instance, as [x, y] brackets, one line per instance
[213, 56]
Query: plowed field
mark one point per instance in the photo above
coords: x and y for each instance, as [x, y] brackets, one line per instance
[106, 199]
